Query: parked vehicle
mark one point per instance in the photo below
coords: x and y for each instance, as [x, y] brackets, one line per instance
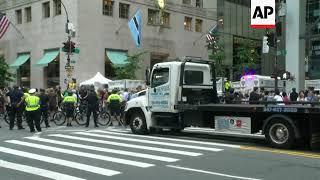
[182, 94]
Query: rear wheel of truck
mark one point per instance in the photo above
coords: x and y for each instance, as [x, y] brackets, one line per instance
[280, 133]
[138, 123]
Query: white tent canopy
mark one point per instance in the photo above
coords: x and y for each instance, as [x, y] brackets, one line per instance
[98, 78]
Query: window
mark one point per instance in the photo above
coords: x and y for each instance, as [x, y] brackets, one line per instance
[160, 77]
[153, 17]
[108, 7]
[19, 16]
[188, 23]
[193, 77]
[165, 19]
[199, 3]
[46, 10]
[124, 11]
[187, 2]
[28, 14]
[199, 25]
[57, 7]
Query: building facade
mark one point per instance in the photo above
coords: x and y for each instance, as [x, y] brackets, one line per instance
[102, 35]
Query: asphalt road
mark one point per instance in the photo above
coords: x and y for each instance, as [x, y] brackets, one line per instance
[114, 153]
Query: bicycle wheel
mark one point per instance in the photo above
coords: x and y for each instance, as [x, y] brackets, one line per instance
[80, 119]
[59, 118]
[104, 119]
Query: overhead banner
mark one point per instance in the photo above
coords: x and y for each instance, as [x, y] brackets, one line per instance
[263, 14]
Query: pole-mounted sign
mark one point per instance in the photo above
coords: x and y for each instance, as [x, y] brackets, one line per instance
[263, 14]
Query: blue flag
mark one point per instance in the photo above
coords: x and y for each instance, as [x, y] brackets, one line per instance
[135, 25]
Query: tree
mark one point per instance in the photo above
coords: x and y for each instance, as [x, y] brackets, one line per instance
[128, 70]
[218, 55]
[246, 58]
[5, 75]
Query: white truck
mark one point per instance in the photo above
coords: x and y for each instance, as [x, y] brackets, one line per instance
[182, 94]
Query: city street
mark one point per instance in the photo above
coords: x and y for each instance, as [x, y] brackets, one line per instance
[100, 153]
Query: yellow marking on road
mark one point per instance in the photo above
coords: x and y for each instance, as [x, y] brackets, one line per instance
[286, 152]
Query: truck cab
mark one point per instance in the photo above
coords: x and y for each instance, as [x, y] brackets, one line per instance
[171, 83]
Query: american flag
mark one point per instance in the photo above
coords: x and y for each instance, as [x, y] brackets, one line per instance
[209, 37]
[4, 24]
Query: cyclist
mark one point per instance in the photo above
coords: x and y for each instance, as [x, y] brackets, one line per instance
[114, 104]
[69, 103]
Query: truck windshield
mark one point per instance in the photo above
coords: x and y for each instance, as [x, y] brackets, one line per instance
[160, 77]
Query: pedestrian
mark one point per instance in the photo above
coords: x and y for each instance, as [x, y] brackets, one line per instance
[285, 98]
[69, 103]
[277, 97]
[53, 101]
[32, 110]
[15, 110]
[312, 97]
[254, 96]
[93, 107]
[301, 97]
[44, 106]
[293, 95]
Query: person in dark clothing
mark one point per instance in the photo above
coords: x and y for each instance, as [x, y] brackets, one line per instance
[93, 106]
[230, 96]
[44, 106]
[293, 95]
[15, 109]
[254, 96]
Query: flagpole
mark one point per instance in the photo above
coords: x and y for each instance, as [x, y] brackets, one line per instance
[19, 32]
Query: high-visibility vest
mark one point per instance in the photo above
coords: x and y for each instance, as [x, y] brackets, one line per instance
[227, 86]
[114, 97]
[32, 103]
[69, 99]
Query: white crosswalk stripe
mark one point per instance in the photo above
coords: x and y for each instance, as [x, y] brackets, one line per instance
[115, 151]
[82, 154]
[87, 144]
[172, 151]
[37, 171]
[169, 139]
[83, 167]
[150, 142]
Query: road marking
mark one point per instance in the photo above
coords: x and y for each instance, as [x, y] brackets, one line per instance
[37, 171]
[151, 142]
[119, 130]
[185, 153]
[212, 173]
[83, 167]
[82, 154]
[286, 152]
[115, 151]
[171, 139]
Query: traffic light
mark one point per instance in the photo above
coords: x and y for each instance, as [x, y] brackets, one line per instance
[69, 46]
[65, 46]
[271, 40]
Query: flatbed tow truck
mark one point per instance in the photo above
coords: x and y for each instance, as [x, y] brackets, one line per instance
[183, 94]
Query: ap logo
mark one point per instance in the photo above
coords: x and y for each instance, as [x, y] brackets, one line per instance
[263, 14]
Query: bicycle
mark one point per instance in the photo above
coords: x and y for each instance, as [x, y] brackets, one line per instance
[103, 117]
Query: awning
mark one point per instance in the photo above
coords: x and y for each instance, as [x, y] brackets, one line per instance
[47, 58]
[118, 58]
[21, 59]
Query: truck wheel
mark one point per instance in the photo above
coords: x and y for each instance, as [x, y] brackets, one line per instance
[138, 123]
[280, 134]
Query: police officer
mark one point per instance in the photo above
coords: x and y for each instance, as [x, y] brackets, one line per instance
[69, 102]
[14, 98]
[114, 102]
[32, 110]
[93, 107]
[44, 106]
